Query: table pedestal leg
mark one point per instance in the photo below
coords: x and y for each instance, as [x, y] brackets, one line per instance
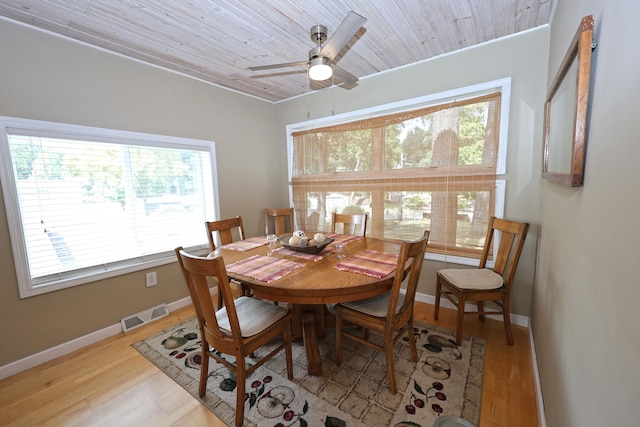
[308, 324]
[314, 361]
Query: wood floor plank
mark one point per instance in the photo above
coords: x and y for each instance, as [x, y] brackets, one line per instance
[109, 383]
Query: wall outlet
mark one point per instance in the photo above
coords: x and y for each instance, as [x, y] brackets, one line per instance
[152, 279]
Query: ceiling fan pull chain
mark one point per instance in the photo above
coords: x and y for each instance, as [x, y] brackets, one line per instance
[333, 98]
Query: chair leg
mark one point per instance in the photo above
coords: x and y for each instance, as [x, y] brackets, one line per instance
[338, 338]
[391, 373]
[412, 342]
[480, 310]
[507, 320]
[220, 302]
[241, 378]
[204, 371]
[436, 309]
[461, 304]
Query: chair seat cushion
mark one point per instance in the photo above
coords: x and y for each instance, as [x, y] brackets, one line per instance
[254, 316]
[469, 278]
[377, 306]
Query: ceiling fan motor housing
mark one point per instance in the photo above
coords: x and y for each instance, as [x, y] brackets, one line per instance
[318, 34]
[315, 53]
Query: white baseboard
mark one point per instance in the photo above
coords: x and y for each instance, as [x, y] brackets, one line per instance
[542, 416]
[78, 343]
[516, 319]
[57, 351]
[70, 346]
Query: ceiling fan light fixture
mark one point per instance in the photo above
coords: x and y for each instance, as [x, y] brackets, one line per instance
[320, 69]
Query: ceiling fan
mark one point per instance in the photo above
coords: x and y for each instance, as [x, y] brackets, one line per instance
[322, 58]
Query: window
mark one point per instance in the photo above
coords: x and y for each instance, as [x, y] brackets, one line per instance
[85, 203]
[428, 163]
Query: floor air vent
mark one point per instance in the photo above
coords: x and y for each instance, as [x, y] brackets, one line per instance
[146, 316]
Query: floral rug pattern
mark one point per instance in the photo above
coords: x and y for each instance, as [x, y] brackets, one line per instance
[447, 380]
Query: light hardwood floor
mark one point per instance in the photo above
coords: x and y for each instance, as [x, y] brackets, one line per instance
[110, 384]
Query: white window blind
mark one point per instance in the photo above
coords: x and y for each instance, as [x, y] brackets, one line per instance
[92, 202]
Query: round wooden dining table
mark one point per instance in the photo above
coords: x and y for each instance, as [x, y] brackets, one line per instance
[310, 286]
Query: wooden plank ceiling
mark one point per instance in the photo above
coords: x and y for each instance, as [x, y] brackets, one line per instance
[217, 40]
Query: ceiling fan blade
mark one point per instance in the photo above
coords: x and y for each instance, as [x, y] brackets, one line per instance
[344, 76]
[268, 74]
[287, 64]
[319, 84]
[341, 36]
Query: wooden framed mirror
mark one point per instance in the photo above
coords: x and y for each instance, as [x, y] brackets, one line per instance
[566, 110]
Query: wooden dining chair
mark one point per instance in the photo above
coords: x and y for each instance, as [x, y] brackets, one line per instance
[226, 229]
[239, 329]
[391, 313]
[280, 220]
[483, 284]
[350, 223]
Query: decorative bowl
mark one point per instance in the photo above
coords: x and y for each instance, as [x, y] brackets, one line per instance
[284, 241]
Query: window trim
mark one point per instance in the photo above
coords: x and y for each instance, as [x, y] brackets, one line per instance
[458, 94]
[70, 131]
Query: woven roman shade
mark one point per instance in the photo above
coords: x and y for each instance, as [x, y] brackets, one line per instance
[428, 168]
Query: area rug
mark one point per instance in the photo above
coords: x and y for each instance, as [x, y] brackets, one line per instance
[447, 380]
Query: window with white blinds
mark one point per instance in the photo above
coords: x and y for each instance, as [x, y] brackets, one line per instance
[428, 163]
[87, 203]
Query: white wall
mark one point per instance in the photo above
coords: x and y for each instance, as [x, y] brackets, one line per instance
[523, 58]
[45, 77]
[588, 287]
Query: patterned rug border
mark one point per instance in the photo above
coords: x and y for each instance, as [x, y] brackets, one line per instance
[472, 389]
